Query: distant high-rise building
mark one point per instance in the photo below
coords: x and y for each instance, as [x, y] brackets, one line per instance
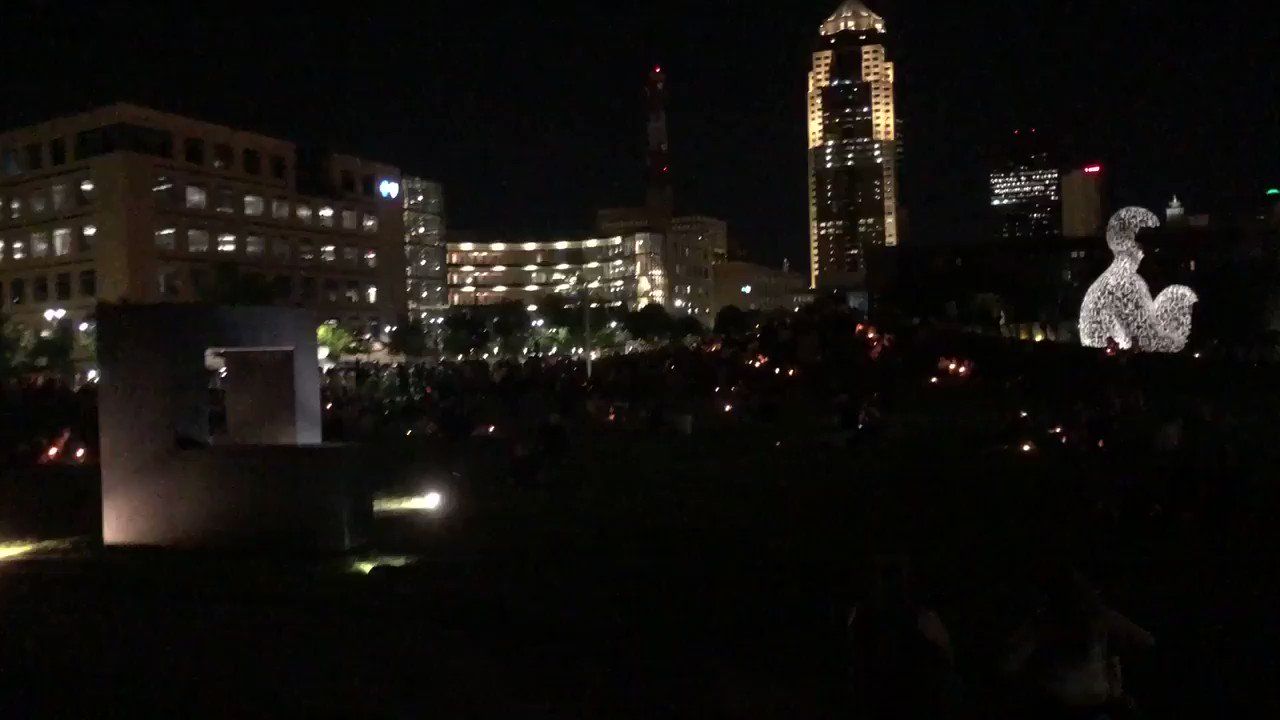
[424, 245]
[1082, 202]
[1026, 192]
[853, 154]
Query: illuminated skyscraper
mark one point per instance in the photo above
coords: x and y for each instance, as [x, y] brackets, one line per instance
[853, 153]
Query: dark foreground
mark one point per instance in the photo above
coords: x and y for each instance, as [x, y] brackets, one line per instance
[657, 575]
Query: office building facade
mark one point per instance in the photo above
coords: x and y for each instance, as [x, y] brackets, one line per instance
[749, 286]
[128, 204]
[1026, 189]
[424, 247]
[853, 153]
[1082, 202]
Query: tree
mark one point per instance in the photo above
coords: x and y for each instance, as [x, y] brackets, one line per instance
[9, 344]
[731, 321]
[511, 325]
[53, 351]
[650, 322]
[409, 338]
[336, 338]
[687, 326]
[465, 331]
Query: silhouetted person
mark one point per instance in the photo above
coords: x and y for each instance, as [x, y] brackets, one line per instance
[1064, 654]
[901, 657]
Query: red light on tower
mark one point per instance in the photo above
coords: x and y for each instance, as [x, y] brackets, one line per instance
[657, 68]
[1091, 169]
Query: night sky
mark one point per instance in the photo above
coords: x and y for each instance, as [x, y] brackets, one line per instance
[531, 113]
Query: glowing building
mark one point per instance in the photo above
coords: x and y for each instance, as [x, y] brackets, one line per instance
[1026, 191]
[853, 147]
[128, 204]
[1082, 202]
[623, 270]
[424, 246]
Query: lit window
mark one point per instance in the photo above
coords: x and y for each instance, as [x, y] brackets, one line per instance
[306, 251]
[369, 223]
[350, 254]
[87, 191]
[280, 249]
[349, 219]
[326, 216]
[328, 253]
[280, 209]
[39, 244]
[304, 213]
[165, 239]
[62, 241]
[1, 250]
[226, 242]
[255, 245]
[15, 208]
[353, 292]
[197, 240]
[88, 238]
[254, 205]
[197, 198]
[18, 250]
[59, 193]
[371, 294]
[371, 258]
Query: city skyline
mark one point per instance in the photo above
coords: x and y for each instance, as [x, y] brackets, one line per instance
[530, 133]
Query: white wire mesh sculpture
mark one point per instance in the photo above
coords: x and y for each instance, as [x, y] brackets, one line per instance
[1118, 304]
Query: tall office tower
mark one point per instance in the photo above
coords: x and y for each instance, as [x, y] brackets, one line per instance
[853, 178]
[1082, 202]
[128, 204]
[424, 246]
[660, 201]
[1026, 190]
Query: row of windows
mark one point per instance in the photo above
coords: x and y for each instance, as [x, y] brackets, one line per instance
[226, 200]
[61, 242]
[174, 283]
[201, 240]
[125, 137]
[52, 200]
[16, 294]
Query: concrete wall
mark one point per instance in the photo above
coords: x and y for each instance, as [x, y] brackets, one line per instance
[154, 392]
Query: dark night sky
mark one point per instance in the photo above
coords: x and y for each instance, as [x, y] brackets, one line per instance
[531, 112]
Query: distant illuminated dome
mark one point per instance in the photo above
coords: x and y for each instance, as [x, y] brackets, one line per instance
[852, 15]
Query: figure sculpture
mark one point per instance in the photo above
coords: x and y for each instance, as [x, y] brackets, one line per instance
[1118, 304]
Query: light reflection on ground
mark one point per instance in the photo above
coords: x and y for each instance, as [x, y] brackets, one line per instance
[11, 549]
[365, 565]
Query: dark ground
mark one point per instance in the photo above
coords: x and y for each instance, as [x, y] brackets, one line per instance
[656, 576]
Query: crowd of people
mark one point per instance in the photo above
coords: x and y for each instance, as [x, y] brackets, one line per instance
[1148, 436]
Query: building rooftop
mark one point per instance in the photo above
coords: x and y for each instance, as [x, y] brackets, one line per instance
[852, 15]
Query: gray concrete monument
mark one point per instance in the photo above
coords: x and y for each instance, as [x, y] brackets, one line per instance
[167, 482]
